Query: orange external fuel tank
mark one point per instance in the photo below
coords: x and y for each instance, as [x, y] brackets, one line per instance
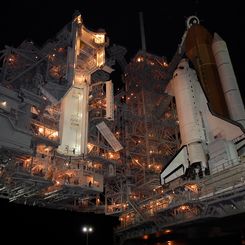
[198, 48]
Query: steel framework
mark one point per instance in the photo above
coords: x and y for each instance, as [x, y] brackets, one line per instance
[131, 136]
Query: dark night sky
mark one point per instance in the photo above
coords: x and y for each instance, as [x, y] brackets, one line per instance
[164, 23]
[164, 27]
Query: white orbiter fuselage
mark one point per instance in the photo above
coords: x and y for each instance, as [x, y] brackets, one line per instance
[201, 131]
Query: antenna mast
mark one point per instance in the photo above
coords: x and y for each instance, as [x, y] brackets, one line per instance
[142, 32]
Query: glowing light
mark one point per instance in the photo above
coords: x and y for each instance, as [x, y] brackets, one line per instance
[55, 134]
[87, 229]
[183, 207]
[90, 147]
[192, 187]
[99, 38]
[167, 231]
[4, 103]
[41, 130]
[140, 59]
[97, 201]
[79, 19]
[145, 237]
[100, 57]
[12, 59]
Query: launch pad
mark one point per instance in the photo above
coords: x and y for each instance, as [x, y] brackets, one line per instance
[165, 150]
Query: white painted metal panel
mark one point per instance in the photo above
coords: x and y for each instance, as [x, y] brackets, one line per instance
[74, 122]
[176, 167]
[109, 136]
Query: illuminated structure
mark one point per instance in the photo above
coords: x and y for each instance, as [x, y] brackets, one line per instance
[51, 101]
[69, 143]
[205, 178]
[148, 130]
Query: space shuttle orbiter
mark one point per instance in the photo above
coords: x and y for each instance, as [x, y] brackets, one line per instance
[211, 130]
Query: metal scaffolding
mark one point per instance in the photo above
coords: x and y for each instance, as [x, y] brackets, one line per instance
[34, 82]
[131, 136]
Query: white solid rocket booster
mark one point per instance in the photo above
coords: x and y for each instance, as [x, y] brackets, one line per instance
[228, 80]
